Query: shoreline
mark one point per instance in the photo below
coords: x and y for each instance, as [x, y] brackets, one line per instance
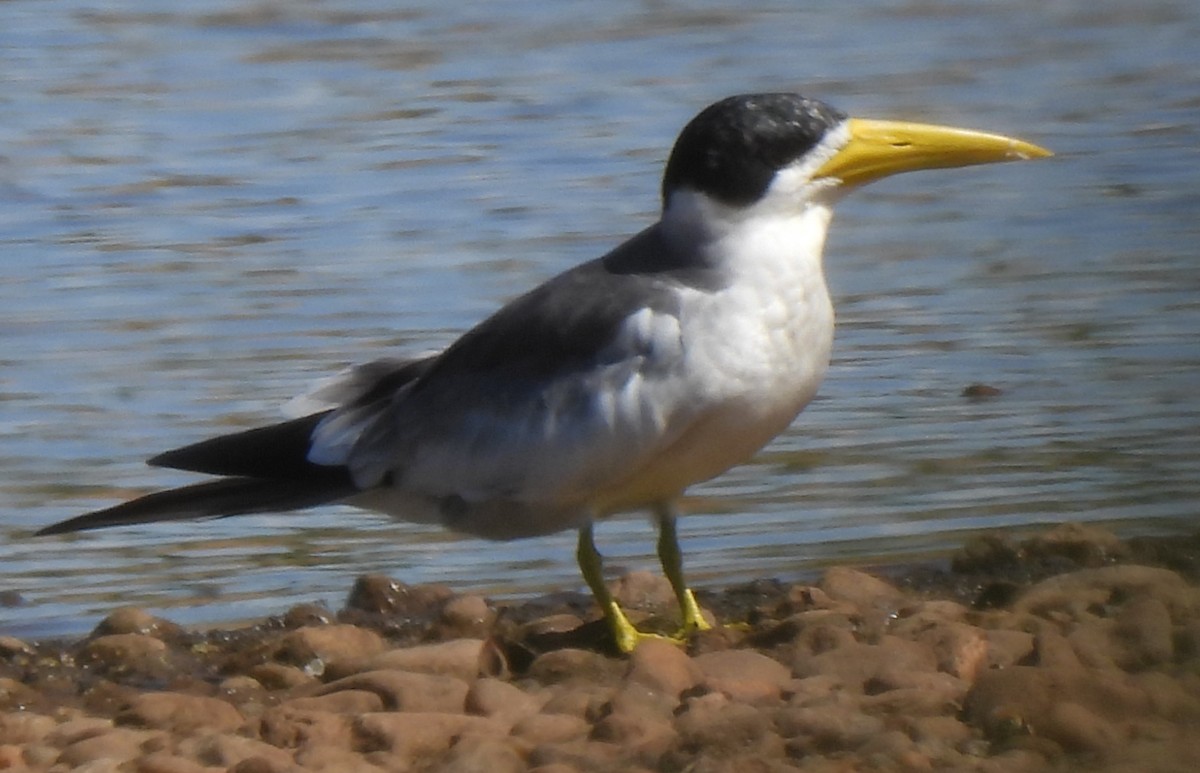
[1072, 648]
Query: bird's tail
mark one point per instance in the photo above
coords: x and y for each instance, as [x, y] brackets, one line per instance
[213, 499]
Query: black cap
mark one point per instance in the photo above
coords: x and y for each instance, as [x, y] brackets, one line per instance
[733, 148]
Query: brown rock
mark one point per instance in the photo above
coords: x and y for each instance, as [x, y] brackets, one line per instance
[859, 588]
[744, 675]
[1076, 729]
[117, 744]
[1069, 594]
[179, 713]
[290, 728]
[328, 644]
[579, 755]
[125, 653]
[713, 725]
[414, 735]
[857, 663]
[457, 657]
[230, 750]
[329, 759]
[377, 594]
[821, 730]
[25, 728]
[467, 616]
[77, 729]
[1007, 647]
[163, 762]
[132, 620]
[1144, 625]
[406, 690]
[961, 650]
[1083, 544]
[541, 729]
[482, 754]
[567, 665]
[1052, 650]
[11, 646]
[277, 676]
[490, 697]
[308, 615]
[663, 667]
[340, 702]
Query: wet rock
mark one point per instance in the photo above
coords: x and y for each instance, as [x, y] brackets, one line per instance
[1083, 544]
[132, 620]
[501, 700]
[583, 756]
[288, 727]
[180, 713]
[458, 658]
[1144, 626]
[382, 595]
[329, 643]
[573, 665]
[713, 725]
[645, 591]
[229, 751]
[538, 729]
[857, 663]
[126, 653]
[164, 762]
[863, 590]
[406, 690]
[308, 615]
[662, 666]
[1070, 596]
[279, 676]
[11, 646]
[340, 702]
[1076, 729]
[467, 616]
[118, 744]
[1007, 647]
[414, 735]
[482, 754]
[327, 759]
[25, 728]
[743, 675]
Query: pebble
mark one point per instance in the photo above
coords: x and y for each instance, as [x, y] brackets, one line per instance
[329, 643]
[180, 713]
[406, 690]
[459, 658]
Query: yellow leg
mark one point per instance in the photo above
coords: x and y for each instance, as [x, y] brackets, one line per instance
[672, 564]
[591, 565]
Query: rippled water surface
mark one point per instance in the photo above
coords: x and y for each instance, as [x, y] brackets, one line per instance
[206, 206]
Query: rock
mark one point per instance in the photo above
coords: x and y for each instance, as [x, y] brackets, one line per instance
[11, 646]
[744, 675]
[837, 727]
[1082, 544]
[855, 664]
[406, 690]
[1144, 626]
[118, 744]
[1068, 594]
[278, 676]
[180, 713]
[327, 759]
[329, 643]
[377, 594]
[457, 657]
[164, 762]
[482, 754]
[414, 735]
[339, 702]
[568, 665]
[1076, 729]
[721, 728]
[132, 620]
[960, 650]
[126, 653]
[288, 727]
[230, 751]
[859, 588]
[580, 755]
[1007, 647]
[662, 666]
[1052, 650]
[539, 729]
[467, 616]
[501, 700]
[25, 728]
[308, 615]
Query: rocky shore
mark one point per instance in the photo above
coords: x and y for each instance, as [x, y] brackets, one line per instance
[1073, 650]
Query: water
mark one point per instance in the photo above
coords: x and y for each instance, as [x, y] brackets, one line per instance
[205, 207]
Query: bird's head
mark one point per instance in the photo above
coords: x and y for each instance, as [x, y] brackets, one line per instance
[751, 148]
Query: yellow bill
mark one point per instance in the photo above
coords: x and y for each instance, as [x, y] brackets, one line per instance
[879, 149]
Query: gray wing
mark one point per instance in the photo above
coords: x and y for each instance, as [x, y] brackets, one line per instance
[565, 389]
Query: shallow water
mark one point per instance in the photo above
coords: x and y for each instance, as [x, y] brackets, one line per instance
[206, 207]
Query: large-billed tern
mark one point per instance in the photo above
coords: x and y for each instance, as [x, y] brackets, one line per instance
[616, 384]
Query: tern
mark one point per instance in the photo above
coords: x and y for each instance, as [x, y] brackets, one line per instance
[611, 387]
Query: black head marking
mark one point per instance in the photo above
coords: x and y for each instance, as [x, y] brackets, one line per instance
[733, 148]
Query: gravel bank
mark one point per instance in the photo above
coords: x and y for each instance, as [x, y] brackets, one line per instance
[1071, 650]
